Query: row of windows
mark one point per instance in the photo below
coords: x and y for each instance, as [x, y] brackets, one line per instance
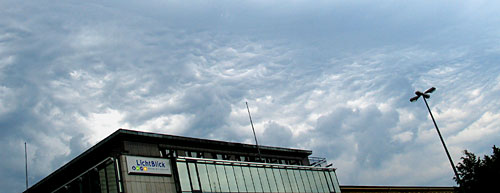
[207, 176]
[220, 156]
[101, 179]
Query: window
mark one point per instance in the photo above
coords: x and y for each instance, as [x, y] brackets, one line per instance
[102, 179]
[170, 153]
[221, 173]
[256, 179]
[312, 181]
[298, 179]
[279, 180]
[214, 179]
[335, 181]
[240, 180]
[194, 176]
[248, 179]
[231, 176]
[183, 177]
[263, 179]
[293, 182]
[317, 179]
[271, 179]
[286, 180]
[322, 179]
[305, 180]
[329, 181]
[204, 180]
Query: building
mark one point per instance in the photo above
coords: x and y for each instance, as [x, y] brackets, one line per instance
[135, 162]
[397, 189]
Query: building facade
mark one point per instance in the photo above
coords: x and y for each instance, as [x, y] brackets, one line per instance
[134, 162]
[397, 189]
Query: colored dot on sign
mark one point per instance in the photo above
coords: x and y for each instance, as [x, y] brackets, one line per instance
[145, 169]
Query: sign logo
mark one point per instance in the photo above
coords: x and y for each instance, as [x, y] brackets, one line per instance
[148, 165]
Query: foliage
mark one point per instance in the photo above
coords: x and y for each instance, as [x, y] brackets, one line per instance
[479, 175]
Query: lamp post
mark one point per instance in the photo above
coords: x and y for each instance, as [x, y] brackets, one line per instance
[425, 95]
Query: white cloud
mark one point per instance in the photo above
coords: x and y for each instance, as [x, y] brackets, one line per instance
[403, 137]
[175, 124]
[486, 127]
[100, 125]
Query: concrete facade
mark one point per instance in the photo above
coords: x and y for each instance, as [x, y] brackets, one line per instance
[145, 183]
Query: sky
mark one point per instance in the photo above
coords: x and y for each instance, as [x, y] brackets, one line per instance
[334, 77]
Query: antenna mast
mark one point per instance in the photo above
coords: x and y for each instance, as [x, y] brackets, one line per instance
[26, 164]
[255, 136]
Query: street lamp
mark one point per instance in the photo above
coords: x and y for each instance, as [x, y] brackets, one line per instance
[425, 95]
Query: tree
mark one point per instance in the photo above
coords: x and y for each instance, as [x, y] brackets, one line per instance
[479, 175]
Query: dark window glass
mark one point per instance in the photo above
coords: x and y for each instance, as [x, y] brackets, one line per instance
[94, 181]
[170, 153]
[85, 183]
[102, 180]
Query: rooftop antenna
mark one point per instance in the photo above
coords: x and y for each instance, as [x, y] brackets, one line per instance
[26, 164]
[255, 136]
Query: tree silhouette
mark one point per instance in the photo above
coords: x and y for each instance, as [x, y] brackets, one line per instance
[479, 175]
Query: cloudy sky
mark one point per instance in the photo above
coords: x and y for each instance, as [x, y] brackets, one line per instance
[330, 76]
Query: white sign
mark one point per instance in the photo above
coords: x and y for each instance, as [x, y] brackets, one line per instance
[148, 165]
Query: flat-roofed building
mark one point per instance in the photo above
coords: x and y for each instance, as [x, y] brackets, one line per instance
[398, 189]
[131, 162]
